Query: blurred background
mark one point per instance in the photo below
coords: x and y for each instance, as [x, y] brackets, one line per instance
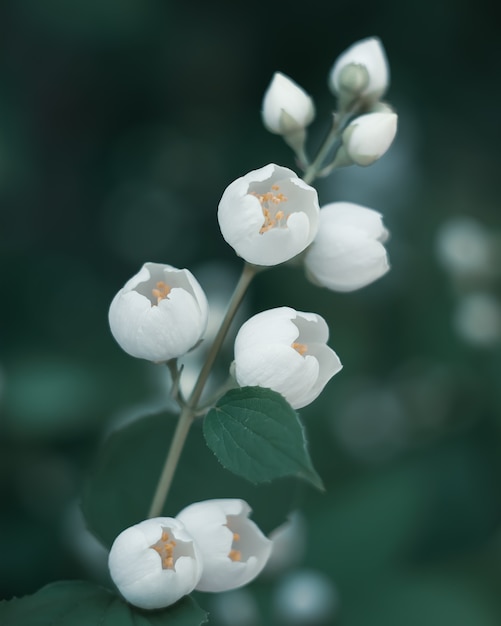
[121, 123]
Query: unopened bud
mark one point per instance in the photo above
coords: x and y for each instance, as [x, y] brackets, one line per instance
[369, 136]
[344, 78]
[287, 108]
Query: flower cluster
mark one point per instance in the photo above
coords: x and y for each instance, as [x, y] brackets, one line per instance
[209, 546]
[268, 216]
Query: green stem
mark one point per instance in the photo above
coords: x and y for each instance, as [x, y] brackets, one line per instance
[339, 123]
[189, 411]
[176, 447]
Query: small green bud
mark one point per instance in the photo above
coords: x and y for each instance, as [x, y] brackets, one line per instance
[353, 78]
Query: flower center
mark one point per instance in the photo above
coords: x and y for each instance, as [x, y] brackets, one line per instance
[273, 216]
[161, 292]
[165, 548]
[234, 554]
[302, 348]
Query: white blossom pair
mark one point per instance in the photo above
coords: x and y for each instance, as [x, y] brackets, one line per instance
[209, 546]
[343, 241]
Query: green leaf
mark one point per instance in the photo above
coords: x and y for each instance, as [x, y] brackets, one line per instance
[84, 604]
[255, 433]
[122, 481]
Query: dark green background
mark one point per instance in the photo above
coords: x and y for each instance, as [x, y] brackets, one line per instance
[121, 123]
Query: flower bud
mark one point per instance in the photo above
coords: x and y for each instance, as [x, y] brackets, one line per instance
[348, 251]
[344, 78]
[155, 563]
[285, 350]
[287, 108]
[269, 215]
[160, 313]
[369, 136]
[233, 549]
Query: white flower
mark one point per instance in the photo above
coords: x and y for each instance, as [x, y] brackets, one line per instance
[160, 313]
[286, 351]
[368, 54]
[287, 108]
[234, 550]
[269, 215]
[369, 136]
[348, 251]
[155, 563]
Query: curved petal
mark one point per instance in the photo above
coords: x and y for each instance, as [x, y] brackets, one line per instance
[220, 528]
[283, 94]
[159, 329]
[369, 53]
[136, 568]
[255, 226]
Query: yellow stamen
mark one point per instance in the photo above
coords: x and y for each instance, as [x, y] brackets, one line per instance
[302, 348]
[269, 201]
[162, 291]
[235, 555]
[236, 537]
[165, 549]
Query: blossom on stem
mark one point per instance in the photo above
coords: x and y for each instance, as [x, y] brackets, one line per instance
[155, 563]
[233, 549]
[365, 59]
[285, 350]
[348, 251]
[287, 108]
[369, 136]
[160, 313]
[269, 215]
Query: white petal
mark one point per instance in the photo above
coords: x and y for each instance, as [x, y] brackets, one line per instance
[369, 136]
[283, 94]
[159, 332]
[136, 568]
[359, 217]
[278, 367]
[370, 54]
[265, 354]
[241, 217]
[213, 524]
[347, 253]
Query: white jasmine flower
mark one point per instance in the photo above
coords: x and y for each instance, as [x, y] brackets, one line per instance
[369, 136]
[286, 351]
[155, 563]
[287, 108]
[160, 313]
[348, 251]
[269, 215]
[234, 550]
[368, 54]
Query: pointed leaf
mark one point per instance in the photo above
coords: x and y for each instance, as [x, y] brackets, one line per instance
[255, 433]
[122, 481]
